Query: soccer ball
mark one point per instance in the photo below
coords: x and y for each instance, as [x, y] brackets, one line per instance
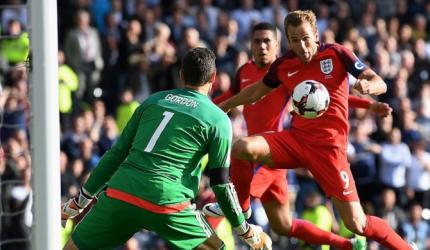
[310, 99]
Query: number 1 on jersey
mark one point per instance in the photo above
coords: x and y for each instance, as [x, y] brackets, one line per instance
[167, 116]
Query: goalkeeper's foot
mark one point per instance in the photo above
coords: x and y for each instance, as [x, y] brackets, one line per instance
[214, 210]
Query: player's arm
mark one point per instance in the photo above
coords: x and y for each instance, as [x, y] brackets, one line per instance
[379, 108]
[218, 166]
[370, 83]
[247, 95]
[219, 99]
[103, 171]
[111, 160]
[219, 162]
[233, 90]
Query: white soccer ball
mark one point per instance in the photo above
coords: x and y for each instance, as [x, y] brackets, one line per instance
[310, 99]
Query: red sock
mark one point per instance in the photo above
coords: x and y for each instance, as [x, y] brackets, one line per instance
[310, 233]
[377, 229]
[241, 173]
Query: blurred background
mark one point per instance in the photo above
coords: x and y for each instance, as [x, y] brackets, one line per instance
[114, 53]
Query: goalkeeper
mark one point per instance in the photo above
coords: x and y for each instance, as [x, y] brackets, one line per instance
[153, 171]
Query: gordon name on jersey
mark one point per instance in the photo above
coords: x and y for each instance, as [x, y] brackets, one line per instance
[181, 100]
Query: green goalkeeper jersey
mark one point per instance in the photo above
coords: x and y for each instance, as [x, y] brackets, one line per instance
[157, 157]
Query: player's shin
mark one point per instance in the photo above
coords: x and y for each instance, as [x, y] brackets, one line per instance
[241, 173]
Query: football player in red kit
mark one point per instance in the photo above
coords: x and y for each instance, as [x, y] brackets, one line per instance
[267, 114]
[318, 144]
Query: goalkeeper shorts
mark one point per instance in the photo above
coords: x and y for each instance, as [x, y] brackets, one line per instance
[111, 222]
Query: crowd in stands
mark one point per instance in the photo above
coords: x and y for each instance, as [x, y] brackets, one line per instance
[114, 53]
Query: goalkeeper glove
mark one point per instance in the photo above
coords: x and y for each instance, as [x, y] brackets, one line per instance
[75, 205]
[255, 238]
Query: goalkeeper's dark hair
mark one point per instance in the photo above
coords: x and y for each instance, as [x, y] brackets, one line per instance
[198, 65]
[264, 26]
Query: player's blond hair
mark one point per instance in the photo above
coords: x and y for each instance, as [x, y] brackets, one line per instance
[297, 17]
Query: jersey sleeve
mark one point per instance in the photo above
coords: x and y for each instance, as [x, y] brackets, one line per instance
[219, 99]
[111, 160]
[271, 79]
[220, 144]
[358, 102]
[349, 60]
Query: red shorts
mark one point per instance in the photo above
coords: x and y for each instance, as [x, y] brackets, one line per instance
[270, 184]
[266, 184]
[328, 165]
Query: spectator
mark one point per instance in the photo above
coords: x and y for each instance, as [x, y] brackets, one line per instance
[205, 8]
[246, 16]
[67, 179]
[415, 229]
[109, 134]
[16, 46]
[388, 209]
[89, 155]
[125, 109]
[275, 11]
[68, 83]
[317, 213]
[419, 173]
[19, 201]
[179, 20]
[395, 160]
[72, 138]
[363, 162]
[225, 54]
[83, 51]
[191, 39]
[15, 10]
[14, 115]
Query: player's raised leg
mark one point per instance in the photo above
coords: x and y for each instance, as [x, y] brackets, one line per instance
[263, 149]
[253, 149]
[241, 174]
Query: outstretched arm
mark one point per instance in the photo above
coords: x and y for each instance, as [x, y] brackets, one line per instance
[248, 95]
[379, 108]
[369, 83]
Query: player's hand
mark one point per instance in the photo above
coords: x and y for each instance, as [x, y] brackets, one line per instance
[256, 239]
[362, 86]
[75, 205]
[380, 108]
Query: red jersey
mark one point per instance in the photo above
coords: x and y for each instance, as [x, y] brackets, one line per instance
[329, 66]
[268, 113]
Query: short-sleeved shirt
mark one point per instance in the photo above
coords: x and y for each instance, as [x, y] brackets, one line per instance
[163, 144]
[266, 114]
[330, 66]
